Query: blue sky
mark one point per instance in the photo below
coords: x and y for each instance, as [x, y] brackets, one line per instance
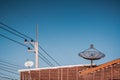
[66, 27]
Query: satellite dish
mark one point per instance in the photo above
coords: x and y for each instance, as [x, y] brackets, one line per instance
[29, 64]
[91, 54]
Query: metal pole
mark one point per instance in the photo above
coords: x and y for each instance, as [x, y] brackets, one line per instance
[36, 47]
[91, 63]
[35, 43]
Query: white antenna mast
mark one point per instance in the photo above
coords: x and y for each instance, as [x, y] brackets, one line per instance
[36, 47]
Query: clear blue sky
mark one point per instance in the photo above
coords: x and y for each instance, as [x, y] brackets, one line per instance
[66, 27]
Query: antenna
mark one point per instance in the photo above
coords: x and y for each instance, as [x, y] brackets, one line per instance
[28, 64]
[91, 54]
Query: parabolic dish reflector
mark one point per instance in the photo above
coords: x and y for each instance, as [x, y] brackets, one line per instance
[29, 64]
[91, 54]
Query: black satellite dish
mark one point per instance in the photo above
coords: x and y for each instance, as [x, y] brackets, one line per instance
[91, 54]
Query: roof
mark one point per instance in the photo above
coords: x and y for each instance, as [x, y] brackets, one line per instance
[22, 70]
[100, 66]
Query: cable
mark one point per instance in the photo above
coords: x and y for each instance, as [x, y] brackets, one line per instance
[15, 30]
[17, 66]
[5, 74]
[24, 38]
[30, 38]
[7, 78]
[8, 66]
[49, 55]
[9, 71]
[46, 60]
[18, 43]
[12, 32]
[13, 40]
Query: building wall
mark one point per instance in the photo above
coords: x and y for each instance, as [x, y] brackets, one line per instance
[65, 73]
[111, 71]
[106, 71]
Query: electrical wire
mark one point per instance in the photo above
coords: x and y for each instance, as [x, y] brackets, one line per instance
[49, 55]
[15, 30]
[46, 60]
[5, 74]
[8, 78]
[24, 38]
[11, 32]
[15, 69]
[9, 71]
[8, 63]
[13, 40]
[8, 67]
[23, 45]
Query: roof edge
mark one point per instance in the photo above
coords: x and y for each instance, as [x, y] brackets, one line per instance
[22, 70]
